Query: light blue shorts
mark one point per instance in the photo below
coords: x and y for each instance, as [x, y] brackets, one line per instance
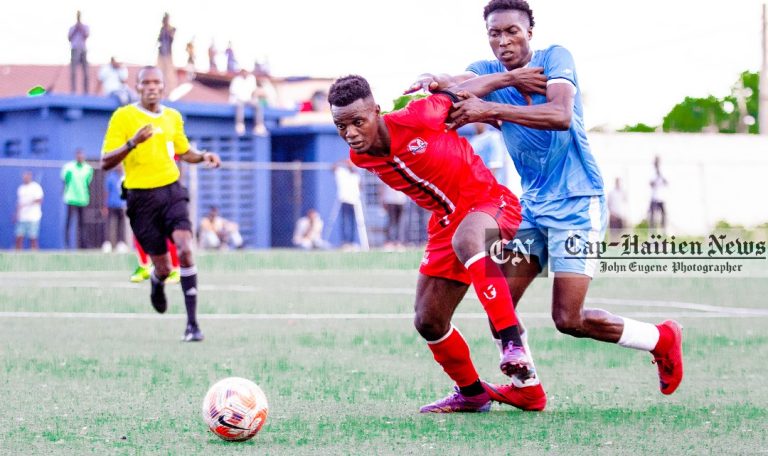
[29, 230]
[557, 232]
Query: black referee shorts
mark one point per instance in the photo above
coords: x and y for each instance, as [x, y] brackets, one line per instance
[155, 213]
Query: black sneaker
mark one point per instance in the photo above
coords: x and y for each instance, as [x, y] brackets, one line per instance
[193, 334]
[157, 296]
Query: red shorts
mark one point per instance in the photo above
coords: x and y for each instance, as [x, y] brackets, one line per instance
[439, 258]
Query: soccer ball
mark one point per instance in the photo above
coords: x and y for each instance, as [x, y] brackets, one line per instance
[235, 409]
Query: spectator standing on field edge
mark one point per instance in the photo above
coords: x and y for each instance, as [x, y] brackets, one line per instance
[348, 196]
[28, 211]
[617, 210]
[657, 214]
[393, 202]
[114, 211]
[78, 34]
[77, 176]
[489, 145]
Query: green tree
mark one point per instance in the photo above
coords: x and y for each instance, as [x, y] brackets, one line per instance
[638, 128]
[713, 114]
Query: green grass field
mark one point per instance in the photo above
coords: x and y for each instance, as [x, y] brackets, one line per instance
[85, 367]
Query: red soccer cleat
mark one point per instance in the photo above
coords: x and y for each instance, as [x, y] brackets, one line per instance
[531, 398]
[670, 364]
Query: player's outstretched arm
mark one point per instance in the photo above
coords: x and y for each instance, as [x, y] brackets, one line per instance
[432, 82]
[526, 80]
[193, 155]
[555, 114]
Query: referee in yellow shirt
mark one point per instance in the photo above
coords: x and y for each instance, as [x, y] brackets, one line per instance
[145, 136]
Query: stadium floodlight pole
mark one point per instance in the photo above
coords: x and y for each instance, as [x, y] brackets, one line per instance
[762, 108]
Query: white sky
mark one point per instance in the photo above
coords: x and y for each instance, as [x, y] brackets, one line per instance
[635, 60]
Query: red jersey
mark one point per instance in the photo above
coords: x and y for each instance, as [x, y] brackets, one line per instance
[435, 167]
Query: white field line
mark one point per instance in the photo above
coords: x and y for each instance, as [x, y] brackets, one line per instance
[331, 316]
[391, 291]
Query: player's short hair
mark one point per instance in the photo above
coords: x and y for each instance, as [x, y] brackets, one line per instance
[497, 5]
[348, 89]
[146, 68]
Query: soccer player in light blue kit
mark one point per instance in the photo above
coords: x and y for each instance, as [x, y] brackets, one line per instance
[535, 97]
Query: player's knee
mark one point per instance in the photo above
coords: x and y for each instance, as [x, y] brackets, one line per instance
[430, 328]
[569, 324]
[162, 269]
[465, 247]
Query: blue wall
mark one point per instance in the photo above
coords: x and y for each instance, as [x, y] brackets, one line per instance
[49, 128]
[310, 189]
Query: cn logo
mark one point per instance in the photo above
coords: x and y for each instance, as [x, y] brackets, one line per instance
[490, 292]
[417, 146]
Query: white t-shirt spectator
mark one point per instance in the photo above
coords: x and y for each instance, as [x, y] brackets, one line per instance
[30, 209]
[112, 79]
[241, 88]
[347, 185]
[308, 233]
[617, 203]
[392, 196]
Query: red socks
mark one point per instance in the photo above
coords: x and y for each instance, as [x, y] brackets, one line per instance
[144, 258]
[492, 289]
[452, 353]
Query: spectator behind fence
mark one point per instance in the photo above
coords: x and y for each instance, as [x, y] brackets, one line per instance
[489, 145]
[77, 176]
[217, 232]
[393, 202]
[243, 90]
[78, 34]
[112, 82]
[348, 198]
[308, 233]
[657, 213]
[28, 211]
[114, 211]
[165, 53]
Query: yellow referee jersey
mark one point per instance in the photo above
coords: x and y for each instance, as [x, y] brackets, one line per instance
[151, 164]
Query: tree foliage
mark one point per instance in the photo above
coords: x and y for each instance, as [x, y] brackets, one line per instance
[712, 114]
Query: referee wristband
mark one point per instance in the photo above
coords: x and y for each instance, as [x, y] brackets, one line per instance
[130, 145]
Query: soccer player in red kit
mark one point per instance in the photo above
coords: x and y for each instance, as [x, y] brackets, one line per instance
[411, 151]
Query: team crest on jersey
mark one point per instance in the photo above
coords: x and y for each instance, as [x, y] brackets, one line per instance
[417, 146]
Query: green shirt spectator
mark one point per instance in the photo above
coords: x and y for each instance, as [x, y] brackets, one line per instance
[77, 176]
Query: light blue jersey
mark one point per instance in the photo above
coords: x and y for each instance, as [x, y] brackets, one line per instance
[552, 164]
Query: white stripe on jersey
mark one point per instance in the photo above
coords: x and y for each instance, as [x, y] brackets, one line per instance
[425, 183]
[562, 81]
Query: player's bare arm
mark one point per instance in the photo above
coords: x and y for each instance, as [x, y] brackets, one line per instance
[210, 159]
[527, 80]
[113, 158]
[431, 82]
[555, 114]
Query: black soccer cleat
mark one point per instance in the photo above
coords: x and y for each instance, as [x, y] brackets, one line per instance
[157, 297]
[193, 334]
